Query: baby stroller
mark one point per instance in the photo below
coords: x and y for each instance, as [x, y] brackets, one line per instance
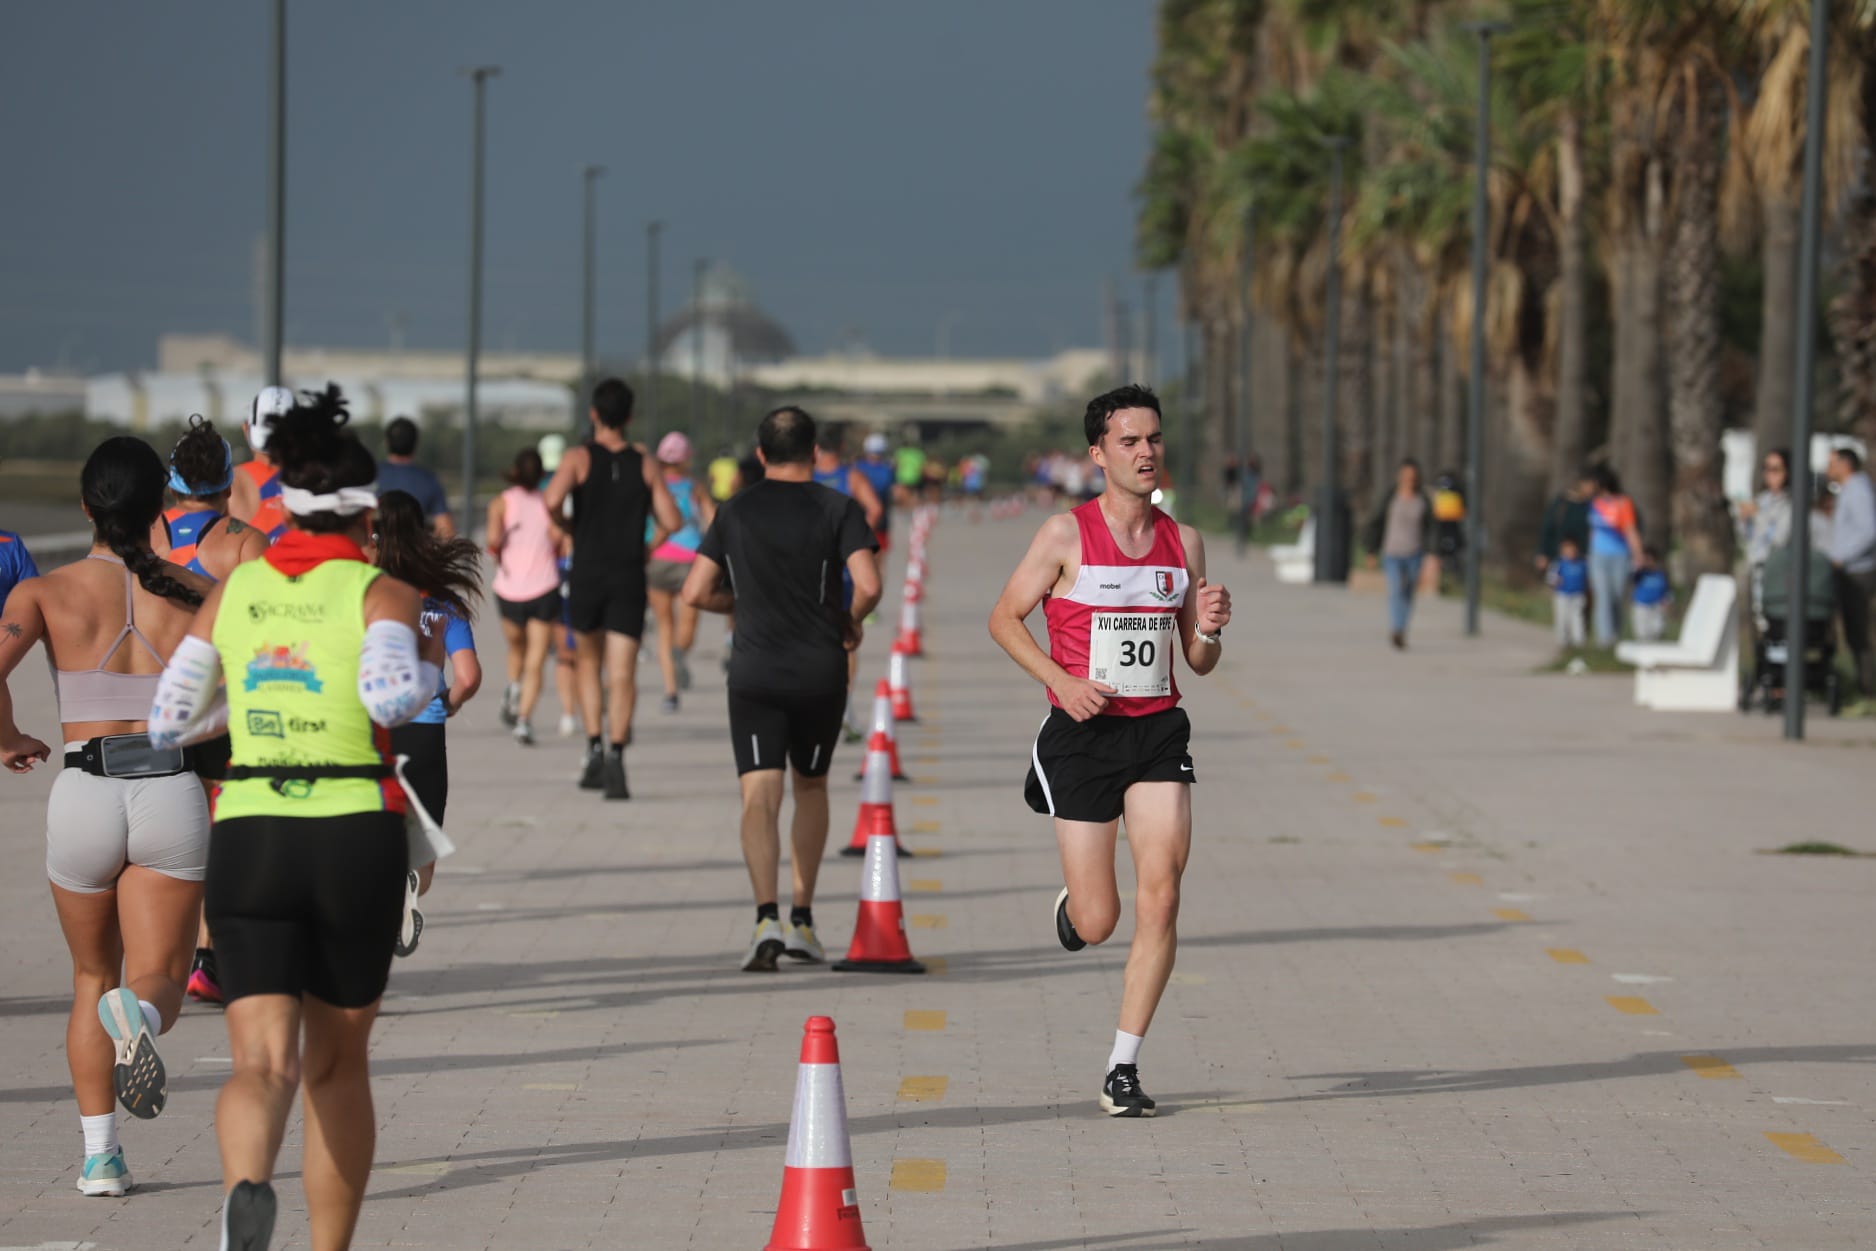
[1766, 687]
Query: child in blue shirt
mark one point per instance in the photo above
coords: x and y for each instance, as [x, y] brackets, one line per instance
[1651, 596]
[1568, 576]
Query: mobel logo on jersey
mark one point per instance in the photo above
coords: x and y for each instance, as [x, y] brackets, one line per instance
[1163, 585]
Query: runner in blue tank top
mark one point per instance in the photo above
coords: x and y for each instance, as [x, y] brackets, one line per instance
[832, 470]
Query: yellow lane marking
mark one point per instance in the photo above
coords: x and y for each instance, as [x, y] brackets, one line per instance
[924, 1018]
[926, 921]
[1393, 823]
[1319, 760]
[925, 801]
[924, 760]
[936, 966]
[1295, 744]
[1710, 1066]
[1804, 1147]
[925, 885]
[1280, 729]
[1511, 914]
[1364, 797]
[1566, 955]
[1429, 848]
[923, 1089]
[551, 1086]
[919, 1176]
[1632, 1005]
[925, 779]
[1337, 776]
[924, 827]
[1467, 879]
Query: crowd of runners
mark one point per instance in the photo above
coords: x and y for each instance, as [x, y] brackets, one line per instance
[256, 665]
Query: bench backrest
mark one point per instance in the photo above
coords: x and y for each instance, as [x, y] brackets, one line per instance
[1306, 537]
[1703, 629]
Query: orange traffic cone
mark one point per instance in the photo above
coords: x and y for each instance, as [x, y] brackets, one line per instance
[875, 815]
[882, 724]
[819, 1209]
[911, 637]
[879, 943]
[900, 684]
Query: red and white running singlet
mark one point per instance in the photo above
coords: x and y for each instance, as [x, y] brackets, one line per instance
[1119, 623]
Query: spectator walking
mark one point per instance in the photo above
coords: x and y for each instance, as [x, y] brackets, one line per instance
[1399, 537]
[1651, 597]
[1614, 550]
[1764, 524]
[399, 471]
[1568, 577]
[1853, 558]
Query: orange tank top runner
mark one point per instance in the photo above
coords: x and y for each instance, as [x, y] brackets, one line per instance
[270, 516]
[1119, 623]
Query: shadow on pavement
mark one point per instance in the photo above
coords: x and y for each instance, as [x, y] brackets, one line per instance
[1386, 1084]
[1480, 1232]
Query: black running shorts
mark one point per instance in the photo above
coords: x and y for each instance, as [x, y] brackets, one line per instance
[1080, 770]
[540, 608]
[428, 769]
[306, 905]
[768, 729]
[617, 607]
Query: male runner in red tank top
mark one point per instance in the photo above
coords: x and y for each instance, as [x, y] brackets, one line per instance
[1123, 585]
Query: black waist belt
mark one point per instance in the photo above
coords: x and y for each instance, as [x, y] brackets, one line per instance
[309, 773]
[129, 756]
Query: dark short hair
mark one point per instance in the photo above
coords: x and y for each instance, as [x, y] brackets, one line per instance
[1105, 405]
[612, 404]
[1606, 480]
[1850, 458]
[786, 436]
[400, 437]
[830, 436]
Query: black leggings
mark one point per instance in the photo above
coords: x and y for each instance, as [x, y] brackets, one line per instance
[428, 769]
[306, 905]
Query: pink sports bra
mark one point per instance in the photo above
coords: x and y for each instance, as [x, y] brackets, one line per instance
[95, 695]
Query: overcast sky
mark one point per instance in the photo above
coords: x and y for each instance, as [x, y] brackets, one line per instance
[868, 166]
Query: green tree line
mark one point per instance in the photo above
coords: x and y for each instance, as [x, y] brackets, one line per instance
[1642, 249]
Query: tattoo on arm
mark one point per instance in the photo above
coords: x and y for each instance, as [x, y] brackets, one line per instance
[12, 629]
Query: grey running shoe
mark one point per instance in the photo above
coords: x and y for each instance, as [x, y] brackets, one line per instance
[1064, 928]
[593, 772]
[247, 1217]
[765, 948]
[142, 1085]
[803, 945]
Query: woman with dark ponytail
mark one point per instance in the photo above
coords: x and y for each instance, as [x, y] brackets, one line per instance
[197, 532]
[127, 826]
[448, 574]
[307, 858]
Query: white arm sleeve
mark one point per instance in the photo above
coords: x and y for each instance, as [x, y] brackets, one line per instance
[393, 683]
[191, 703]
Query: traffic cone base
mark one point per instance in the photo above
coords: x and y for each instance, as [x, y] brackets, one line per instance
[879, 966]
[879, 941]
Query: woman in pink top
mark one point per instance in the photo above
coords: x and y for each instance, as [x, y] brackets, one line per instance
[671, 562]
[525, 545]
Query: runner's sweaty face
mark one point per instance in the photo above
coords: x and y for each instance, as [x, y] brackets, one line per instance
[1132, 451]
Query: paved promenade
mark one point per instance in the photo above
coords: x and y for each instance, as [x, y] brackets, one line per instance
[1472, 956]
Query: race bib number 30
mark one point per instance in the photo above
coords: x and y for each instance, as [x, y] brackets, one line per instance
[1132, 652]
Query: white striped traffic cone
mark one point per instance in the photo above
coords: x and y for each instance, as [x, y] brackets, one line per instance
[820, 1207]
[900, 684]
[879, 942]
[882, 724]
[911, 637]
[875, 815]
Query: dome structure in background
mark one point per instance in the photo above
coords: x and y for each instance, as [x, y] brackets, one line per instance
[734, 332]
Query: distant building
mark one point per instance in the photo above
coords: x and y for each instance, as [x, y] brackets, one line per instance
[34, 392]
[723, 331]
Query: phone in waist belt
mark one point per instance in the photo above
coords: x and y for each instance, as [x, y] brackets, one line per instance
[131, 756]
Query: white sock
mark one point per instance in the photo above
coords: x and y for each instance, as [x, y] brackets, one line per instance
[100, 1133]
[1126, 1049]
[151, 1017]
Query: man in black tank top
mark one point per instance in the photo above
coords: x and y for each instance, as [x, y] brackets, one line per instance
[613, 488]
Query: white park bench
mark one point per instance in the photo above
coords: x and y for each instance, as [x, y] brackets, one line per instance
[1698, 672]
[1296, 562]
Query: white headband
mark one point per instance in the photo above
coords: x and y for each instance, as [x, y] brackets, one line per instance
[346, 501]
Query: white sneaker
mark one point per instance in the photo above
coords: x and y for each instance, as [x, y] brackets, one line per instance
[803, 945]
[524, 734]
[412, 928]
[765, 948]
[568, 726]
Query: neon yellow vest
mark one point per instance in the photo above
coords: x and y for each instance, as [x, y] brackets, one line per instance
[289, 648]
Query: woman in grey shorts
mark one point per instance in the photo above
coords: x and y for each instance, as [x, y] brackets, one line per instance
[126, 825]
[670, 564]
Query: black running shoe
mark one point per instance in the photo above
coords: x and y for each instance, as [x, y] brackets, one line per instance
[1121, 1094]
[612, 774]
[247, 1217]
[592, 773]
[1064, 928]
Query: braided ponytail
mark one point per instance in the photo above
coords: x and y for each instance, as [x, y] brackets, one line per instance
[122, 487]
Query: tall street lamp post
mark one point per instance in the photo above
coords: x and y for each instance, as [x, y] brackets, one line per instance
[1475, 391]
[652, 230]
[480, 76]
[1802, 389]
[1331, 510]
[273, 326]
[698, 268]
